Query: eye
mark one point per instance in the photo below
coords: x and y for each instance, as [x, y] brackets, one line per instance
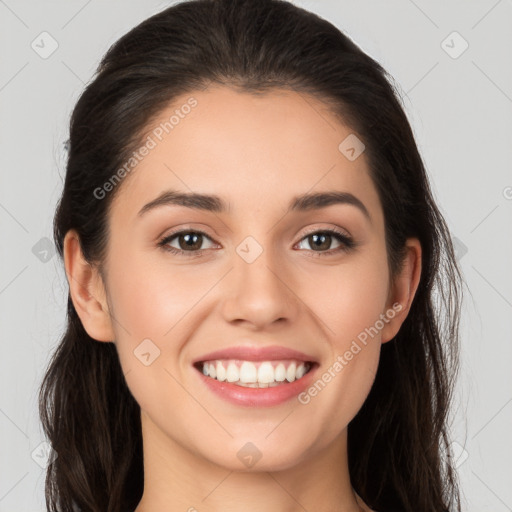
[188, 241]
[322, 240]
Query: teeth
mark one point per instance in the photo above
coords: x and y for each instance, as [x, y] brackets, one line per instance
[265, 373]
[221, 371]
[280, 373]
[255, 375]
[232, 373]
[301, 371]
[291, 373]
[248, 372]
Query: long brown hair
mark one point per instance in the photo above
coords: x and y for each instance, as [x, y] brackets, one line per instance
[397, 440]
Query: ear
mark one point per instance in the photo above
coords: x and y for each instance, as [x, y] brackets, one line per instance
[87, 291]
[403, 289]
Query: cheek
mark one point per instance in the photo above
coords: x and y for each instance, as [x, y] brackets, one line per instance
[349, 303]
[151, 297]
[154, 300]
[350, 297]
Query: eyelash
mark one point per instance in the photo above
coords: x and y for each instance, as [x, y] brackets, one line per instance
[347, 243]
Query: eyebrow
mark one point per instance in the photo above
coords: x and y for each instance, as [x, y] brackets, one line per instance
[213, 203]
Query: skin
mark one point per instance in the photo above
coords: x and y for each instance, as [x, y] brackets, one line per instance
[256, 153]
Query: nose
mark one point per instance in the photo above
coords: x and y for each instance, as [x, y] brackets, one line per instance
[259, 293]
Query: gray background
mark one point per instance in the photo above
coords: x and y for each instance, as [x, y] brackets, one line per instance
[460, 107]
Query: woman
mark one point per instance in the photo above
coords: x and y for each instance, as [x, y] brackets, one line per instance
[263, 296]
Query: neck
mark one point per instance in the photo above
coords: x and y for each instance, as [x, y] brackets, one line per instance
[177, 479]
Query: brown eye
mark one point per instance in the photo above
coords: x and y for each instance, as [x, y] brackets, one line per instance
[320, 242]
[188, 241]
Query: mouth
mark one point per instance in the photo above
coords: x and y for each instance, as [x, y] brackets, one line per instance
[255, 374]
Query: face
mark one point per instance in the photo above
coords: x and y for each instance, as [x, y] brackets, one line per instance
[310, 281]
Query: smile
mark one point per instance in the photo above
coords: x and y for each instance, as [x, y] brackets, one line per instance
[256, 383]
[255, 374]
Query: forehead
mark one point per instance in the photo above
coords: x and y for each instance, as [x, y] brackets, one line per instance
[254, 150]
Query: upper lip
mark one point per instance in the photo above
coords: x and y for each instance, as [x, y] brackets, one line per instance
[255, 353]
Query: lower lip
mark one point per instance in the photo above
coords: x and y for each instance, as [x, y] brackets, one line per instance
[258, 397]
